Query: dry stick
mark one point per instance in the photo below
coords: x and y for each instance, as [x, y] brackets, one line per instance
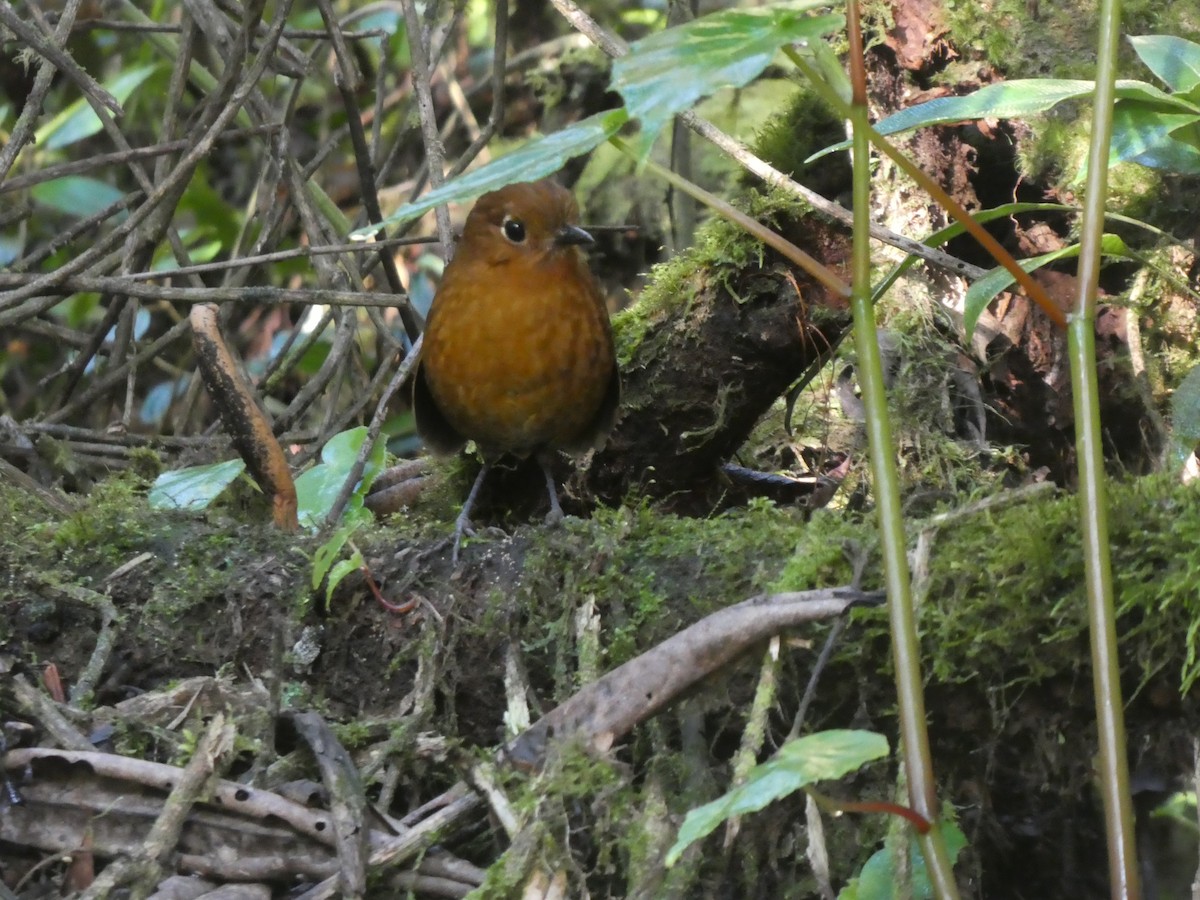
[59, 58]
[214, 753]
[103, 384]
[76, 368]
[611, 706]
[370, 199]
[148, 237]
[373, 430]
[72, 433]
[105, 640]
[343, 340]
[27, 121]
[245, 421]
[347, 800]
[55, 332]
[754, 732]
[66, 237]
[227, 101]
[499, 68]
[16, 213]
[434, 153]
[262, 259]
[49, 715]
[254, 294]
[614, 46]
[75, 167]
[56, 503]
[404, 847]
[288, 33]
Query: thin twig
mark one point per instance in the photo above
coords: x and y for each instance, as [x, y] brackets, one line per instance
[434, 153]
[23, 130]
[614, 46]
[253, 294]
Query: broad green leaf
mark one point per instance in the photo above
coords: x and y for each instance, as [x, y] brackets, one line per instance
[195, 487]
[1155, 139]
[343, 568]
[667, 72]
[11, 248]
[536, 159]
[1013, 100]
[984, 291]
[328, 552]
[816, 757]
[879, 881]
[1175, 60]
[76, 195]
[78, 121]
[1185, 417]
[317, 488]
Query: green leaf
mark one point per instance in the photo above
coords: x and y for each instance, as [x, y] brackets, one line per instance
[317, 488]
[76, 195]
[1012, 100]
[815, 757]
[340, 571]
[324, 556]
[536, 159]
[878, 879]
[668, 72]
[984, 291]
[11, 248]
[78, 121]
[1185, 417]
[195, 487]
[1175, 60]
[1155, 139]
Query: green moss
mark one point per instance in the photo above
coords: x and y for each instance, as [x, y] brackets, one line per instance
[721, 253]
[805, 126]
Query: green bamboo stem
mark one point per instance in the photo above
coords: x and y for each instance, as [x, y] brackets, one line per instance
[1093, 502]
[1027, 282]
[906, 653]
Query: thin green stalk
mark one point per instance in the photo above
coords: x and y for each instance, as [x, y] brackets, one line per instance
[1093, 502]
[751, 225]
[906, 654]
[1028, 283]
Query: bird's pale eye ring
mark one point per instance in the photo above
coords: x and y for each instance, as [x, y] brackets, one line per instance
[514, 229]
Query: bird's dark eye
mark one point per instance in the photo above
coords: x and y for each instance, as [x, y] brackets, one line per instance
[514, 229]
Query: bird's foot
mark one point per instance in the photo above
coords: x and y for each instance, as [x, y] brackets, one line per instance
[462, 525]
[555, 516]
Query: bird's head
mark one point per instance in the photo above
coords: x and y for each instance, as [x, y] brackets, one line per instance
[534, 220]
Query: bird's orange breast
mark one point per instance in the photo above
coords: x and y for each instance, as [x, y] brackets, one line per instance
[518, 353]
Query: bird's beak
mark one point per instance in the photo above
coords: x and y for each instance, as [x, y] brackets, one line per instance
[572, 234]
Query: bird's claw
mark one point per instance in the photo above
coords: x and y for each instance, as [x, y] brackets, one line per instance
[461, 526]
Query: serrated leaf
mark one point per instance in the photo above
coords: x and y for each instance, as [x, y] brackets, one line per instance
[78, 121]
[667, 72]
[195, 487]
[984, 291]
[1174, 60]
[815, 757]
[536, 159]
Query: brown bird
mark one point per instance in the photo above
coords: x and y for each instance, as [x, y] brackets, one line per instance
[518, 352]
